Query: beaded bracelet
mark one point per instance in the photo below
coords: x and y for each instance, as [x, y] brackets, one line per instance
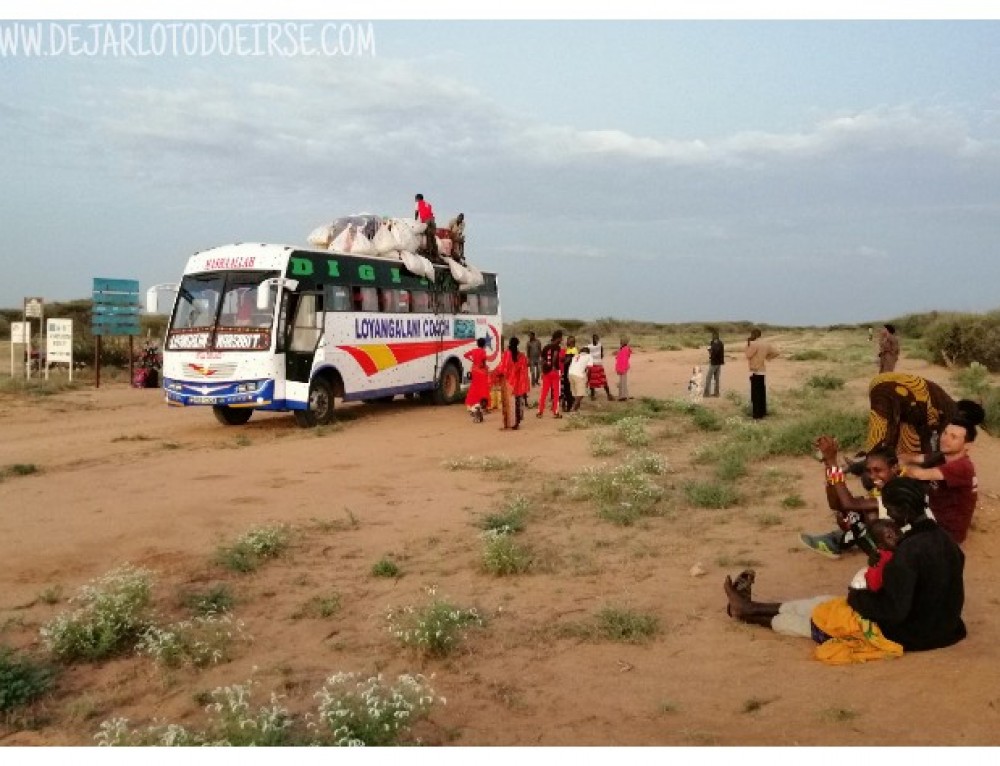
[834, 475]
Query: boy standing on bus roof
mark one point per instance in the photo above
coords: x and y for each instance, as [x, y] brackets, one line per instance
[425, 214]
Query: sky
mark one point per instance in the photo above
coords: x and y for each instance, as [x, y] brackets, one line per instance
[779, 170]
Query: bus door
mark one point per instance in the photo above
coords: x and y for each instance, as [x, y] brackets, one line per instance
[443, 306]
[302, 333]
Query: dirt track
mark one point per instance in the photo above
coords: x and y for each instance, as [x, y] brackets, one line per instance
[125, 478]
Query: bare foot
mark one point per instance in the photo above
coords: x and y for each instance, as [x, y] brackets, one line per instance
[737, 602]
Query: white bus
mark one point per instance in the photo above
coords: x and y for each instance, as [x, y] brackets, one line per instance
[280, 328]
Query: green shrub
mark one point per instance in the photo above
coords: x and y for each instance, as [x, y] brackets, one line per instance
[973, 381]
[991, 403]
[511, 516]
[965, 338]
[22, 680]
[632, 431]
[319, 607]
[486, 463]
[731, 465]
[216, 600]
[711, 494]
[369, 712]
[256, 545]
[385, 567]
[647, 462]
[601, 446]
[825, 382]
[434, 629]
[199, 642]
[18, 469]
[796, 438]
[232, 723]
[808, 355]
[502, 555]
[351, 711]
[112, 617]
[626, 625]
[793, 501]
[706, 419]
[625, 487]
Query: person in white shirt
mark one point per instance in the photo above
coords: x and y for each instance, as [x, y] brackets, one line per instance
[597, 378]
[578, 369]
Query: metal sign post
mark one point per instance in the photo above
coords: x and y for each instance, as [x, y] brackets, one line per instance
[32, 310]
[115, 312]
[20, 333]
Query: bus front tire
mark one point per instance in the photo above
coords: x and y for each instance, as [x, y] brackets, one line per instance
[320, 410]
[449, 388]
[232, 416]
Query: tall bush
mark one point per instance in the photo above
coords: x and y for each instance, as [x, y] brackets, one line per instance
[965, 338]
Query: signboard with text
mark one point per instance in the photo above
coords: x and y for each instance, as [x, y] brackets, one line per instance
[33, 308]
[116, 307]
[59, 341]
[20, 332]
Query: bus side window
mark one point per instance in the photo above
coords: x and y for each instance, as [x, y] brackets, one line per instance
[403, 304]
[420, 301]
[447, 303]
[488, 304]
[365, 299]
[386, 300]
[471, 305]
[338, 298]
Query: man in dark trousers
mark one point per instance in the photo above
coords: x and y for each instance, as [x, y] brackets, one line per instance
[534, 350]
[716, 358]
[758, 352]
[425, 214]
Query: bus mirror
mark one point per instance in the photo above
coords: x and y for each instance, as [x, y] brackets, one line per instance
[264, 295]
[264, 291]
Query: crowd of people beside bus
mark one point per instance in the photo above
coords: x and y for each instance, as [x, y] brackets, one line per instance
[565, 375]
[908, 525]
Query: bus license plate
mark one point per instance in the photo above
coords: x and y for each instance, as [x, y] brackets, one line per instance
[202, 400]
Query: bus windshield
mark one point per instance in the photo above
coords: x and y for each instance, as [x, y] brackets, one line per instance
[224, 312]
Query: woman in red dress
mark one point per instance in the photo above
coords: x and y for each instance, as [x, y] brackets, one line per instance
[478, 397]
[515, 384]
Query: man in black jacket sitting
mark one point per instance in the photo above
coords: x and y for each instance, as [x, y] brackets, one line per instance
[920, 603]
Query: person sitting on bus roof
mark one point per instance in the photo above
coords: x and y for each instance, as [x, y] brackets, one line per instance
[457, 228]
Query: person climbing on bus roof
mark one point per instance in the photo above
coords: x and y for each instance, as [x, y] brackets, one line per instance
[425, 214]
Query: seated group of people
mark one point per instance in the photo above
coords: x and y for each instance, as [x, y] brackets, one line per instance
[921, 493]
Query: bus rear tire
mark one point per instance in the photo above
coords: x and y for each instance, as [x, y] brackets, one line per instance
[320, 410]
[232, 416]
[449, 388]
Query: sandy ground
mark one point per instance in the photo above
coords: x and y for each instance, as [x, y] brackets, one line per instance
[124, 478]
